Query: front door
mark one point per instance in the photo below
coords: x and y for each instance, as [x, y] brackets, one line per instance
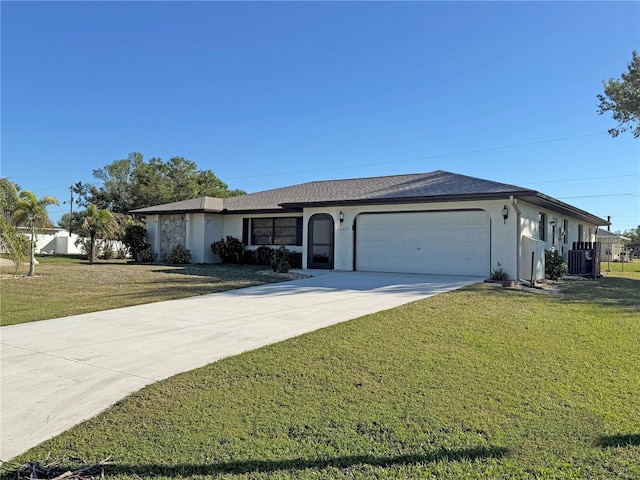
[320, 250]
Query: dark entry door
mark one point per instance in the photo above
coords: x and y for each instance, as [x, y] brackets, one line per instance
[320, 250]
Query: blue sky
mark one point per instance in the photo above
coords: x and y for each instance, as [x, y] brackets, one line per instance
[274, 94]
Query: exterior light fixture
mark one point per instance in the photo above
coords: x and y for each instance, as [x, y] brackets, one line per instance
[505, 213]
[341, 216]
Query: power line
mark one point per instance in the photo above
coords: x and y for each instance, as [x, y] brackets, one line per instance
[580, 179]
[426, 157]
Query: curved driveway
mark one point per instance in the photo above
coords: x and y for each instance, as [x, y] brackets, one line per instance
[57, 373]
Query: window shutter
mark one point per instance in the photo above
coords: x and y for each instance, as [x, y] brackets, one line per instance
[245, 231]
[299, 231]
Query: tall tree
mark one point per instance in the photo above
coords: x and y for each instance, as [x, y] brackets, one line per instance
[634, 239]
[135, 183]
[97, 224]
[14, 243]
[31, 212]
[622, 98]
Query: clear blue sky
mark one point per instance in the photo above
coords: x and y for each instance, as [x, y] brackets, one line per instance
[274, 94]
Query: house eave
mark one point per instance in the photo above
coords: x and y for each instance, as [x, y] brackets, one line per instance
[258, 211]
[550, 203]
[406, 200]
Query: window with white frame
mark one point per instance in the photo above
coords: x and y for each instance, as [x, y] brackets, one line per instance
[542, 226]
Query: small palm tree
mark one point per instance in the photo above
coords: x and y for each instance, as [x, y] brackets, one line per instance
[32, 213]
[97, 224]
[12, 242]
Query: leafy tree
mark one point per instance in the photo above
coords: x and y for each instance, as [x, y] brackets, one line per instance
[12, 242]
[622, 98]
[135, 238]
[135, 183]
[31, 212]
[124, 222]
[71, 221]
[97, 224]
[634, 236]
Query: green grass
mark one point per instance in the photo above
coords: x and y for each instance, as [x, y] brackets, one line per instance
[482, 382]
[67, 285]
[626, 270]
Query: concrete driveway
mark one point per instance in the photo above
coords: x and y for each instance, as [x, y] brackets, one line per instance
[57, 373]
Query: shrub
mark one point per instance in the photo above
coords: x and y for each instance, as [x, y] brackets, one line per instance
[295, 259]
[230, 250]
[262, 255]
[248, 258]
[280, 260]
[135, 239]
[146, 256]
[499, 273]
[107, 252]
[179, 255]
[555, 266]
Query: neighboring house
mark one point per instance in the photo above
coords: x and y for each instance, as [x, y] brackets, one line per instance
[54, 241]
[434, 223]
[58, 241]
[613, 245]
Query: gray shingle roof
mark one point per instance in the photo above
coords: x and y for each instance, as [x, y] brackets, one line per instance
[375, 189]
[413, 188]
[202, 204]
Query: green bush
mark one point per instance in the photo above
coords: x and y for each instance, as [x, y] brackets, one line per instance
[135, 239]
[280, 260]
[230, 249]
[555, 266]
[107, 253]
[263, 255]
[179, 255]
[295, 259]
[499, 273]
[146, 256]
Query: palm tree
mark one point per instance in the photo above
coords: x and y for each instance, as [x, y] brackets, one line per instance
[97, 224]
[12, 242]
[32, 213]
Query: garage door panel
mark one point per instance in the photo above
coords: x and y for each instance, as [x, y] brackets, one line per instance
[456, 243]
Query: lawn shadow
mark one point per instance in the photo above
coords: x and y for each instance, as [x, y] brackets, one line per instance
[607, 292]
[272, 466]
[614, 441]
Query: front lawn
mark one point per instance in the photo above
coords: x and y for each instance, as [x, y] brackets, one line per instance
[483, 382]
[66, 285]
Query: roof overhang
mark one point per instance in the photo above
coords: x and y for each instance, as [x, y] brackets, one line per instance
[550, 203]
[405, 200]
[530, 196]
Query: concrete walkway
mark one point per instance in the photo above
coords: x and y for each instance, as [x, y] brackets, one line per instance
[57, 373]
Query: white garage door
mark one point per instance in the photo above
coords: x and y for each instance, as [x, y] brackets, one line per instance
[449, 243]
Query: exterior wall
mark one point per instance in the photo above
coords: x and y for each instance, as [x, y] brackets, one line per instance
[202, 230]
[55, 242]
[513, 240]
[611, 249]
[503, 233]
[533, 244]
[153, 236]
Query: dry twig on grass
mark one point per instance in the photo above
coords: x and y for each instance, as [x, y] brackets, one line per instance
[55, 471]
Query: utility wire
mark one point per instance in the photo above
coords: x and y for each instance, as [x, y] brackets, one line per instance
[426, 157]
[580, 179]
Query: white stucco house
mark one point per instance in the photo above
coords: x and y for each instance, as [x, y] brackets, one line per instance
[613, 245]
[54, 241]
[431, 223]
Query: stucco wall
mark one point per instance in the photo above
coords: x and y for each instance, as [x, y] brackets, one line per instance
[503, 233]
[202, 230]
